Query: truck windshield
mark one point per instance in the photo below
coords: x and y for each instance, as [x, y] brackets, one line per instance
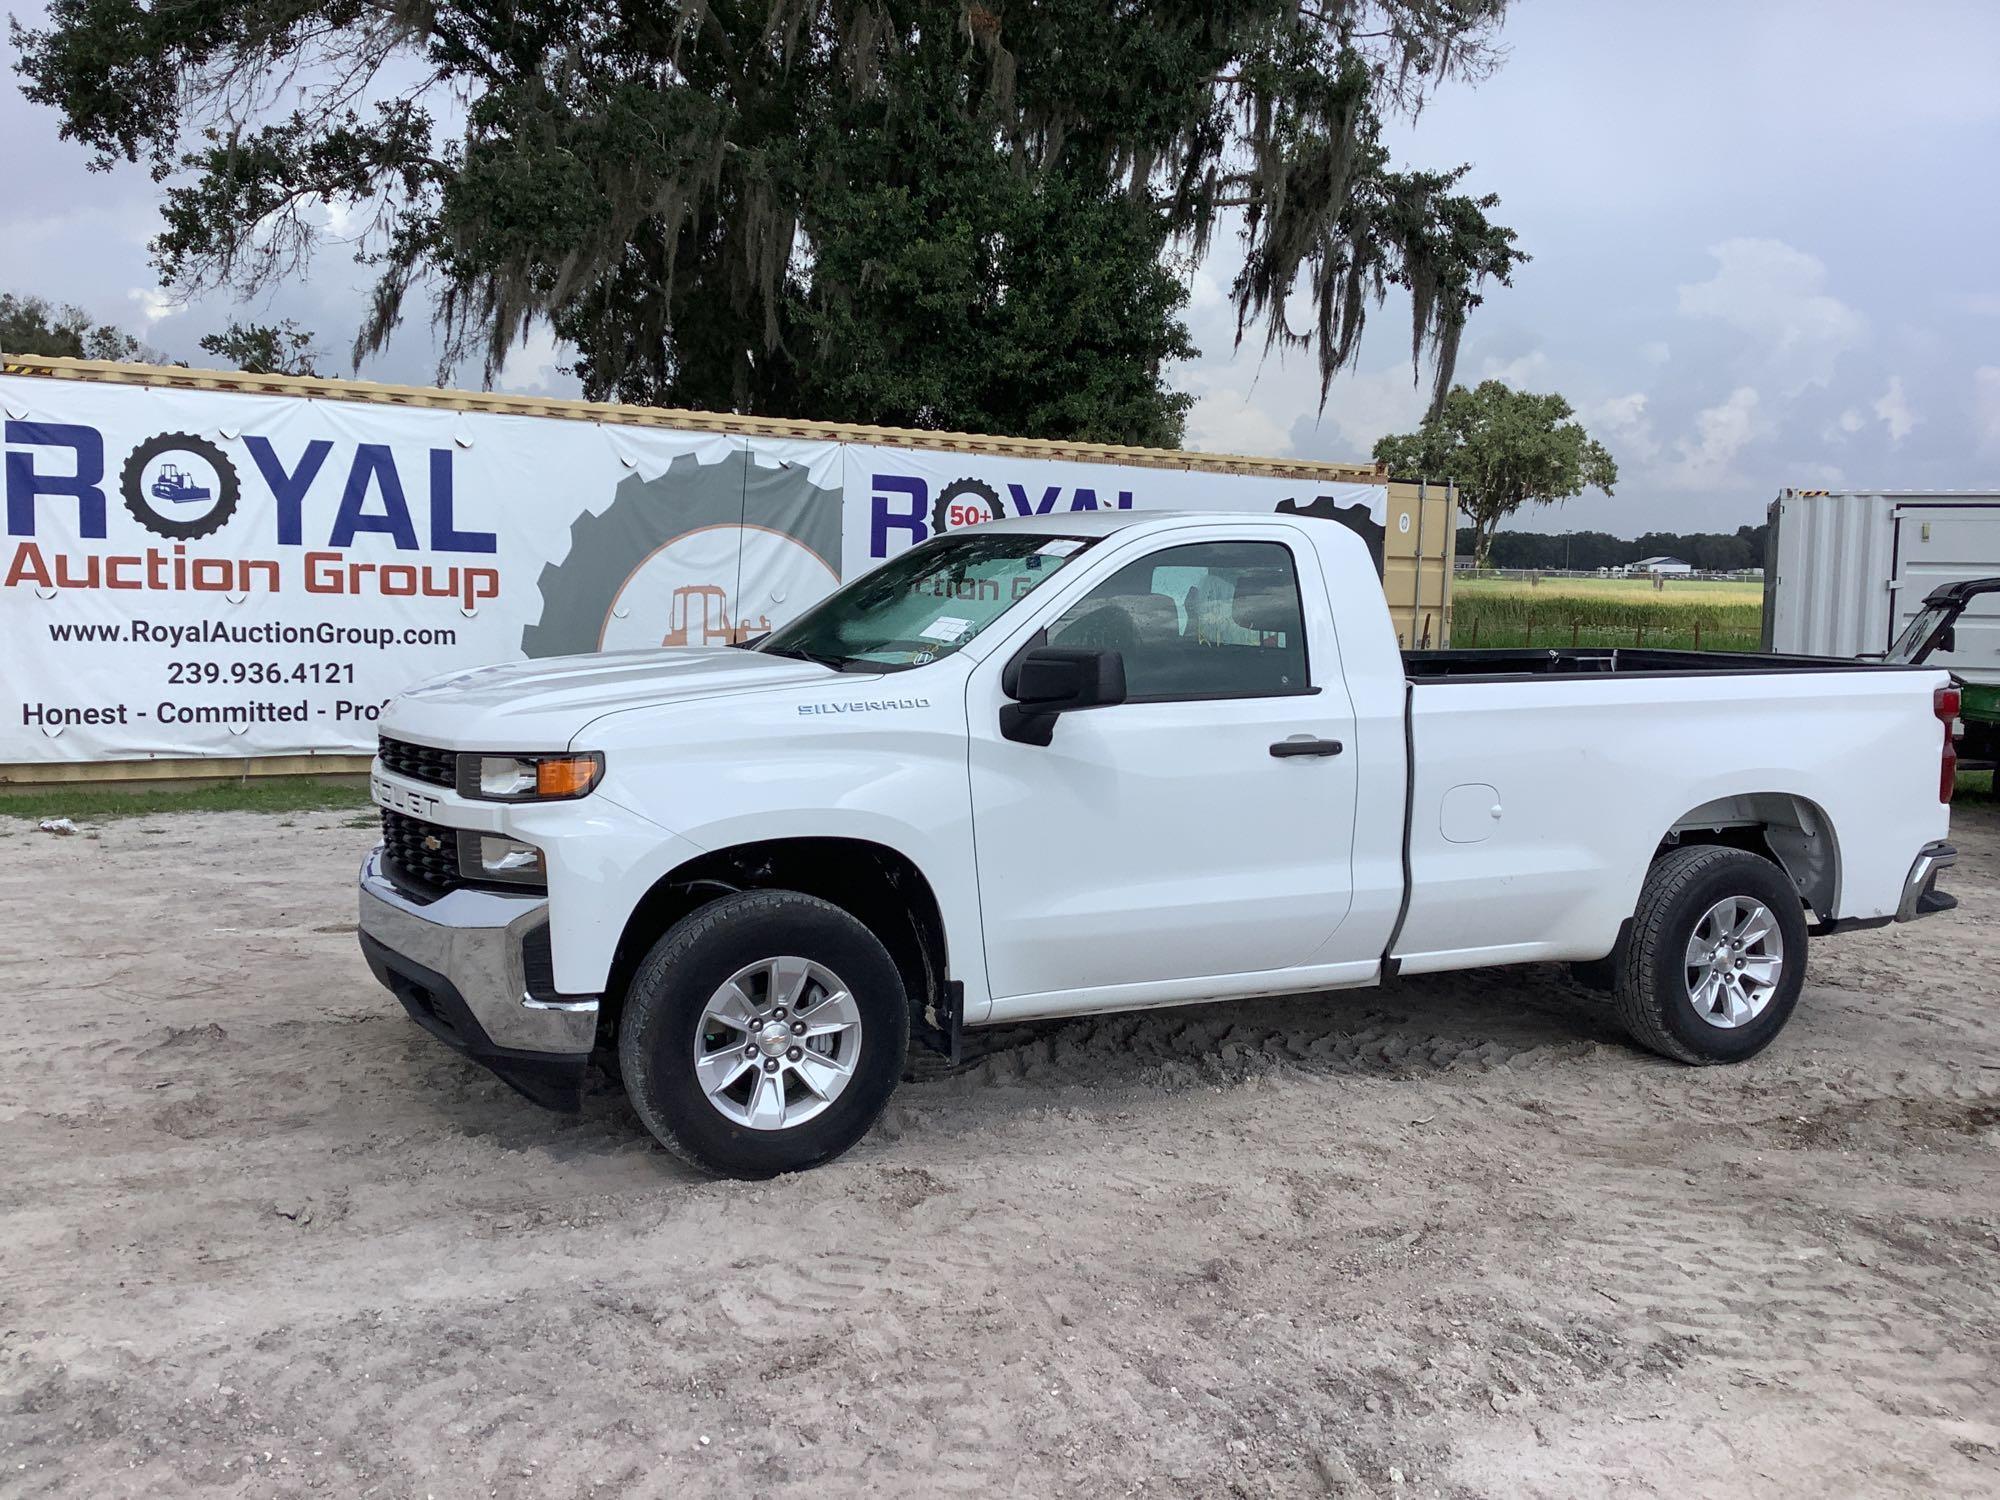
[925, 604]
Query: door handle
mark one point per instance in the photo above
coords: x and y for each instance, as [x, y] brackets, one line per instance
[1305, 744]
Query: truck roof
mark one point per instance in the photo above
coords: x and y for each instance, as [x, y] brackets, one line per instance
[1105, 522]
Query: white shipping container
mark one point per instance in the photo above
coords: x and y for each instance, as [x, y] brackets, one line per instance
[1846, 570]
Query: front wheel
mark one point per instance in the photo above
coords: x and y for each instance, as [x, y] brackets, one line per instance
[763, 1034]
[1716, 958]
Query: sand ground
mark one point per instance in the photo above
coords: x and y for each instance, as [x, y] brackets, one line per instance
[261, 1236]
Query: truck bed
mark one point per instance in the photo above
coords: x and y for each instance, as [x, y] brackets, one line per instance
[1588, 661]
[1543, 782]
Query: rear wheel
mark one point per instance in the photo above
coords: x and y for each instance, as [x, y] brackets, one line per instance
[1716, 958]
[763, 1034]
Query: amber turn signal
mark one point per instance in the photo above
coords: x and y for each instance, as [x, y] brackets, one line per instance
[566, 775]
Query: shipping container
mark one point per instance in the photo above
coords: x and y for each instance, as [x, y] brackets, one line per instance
[1846, 570]
[215, 573]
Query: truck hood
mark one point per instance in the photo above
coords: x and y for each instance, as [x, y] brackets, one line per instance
[536, 705]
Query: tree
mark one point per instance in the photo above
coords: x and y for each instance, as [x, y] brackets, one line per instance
[1584, 551]
[1503, 448]
[266, 349]
[926, 212]
[31, 325]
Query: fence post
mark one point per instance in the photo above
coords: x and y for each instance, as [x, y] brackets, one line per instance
[1574, 627]
[1697, 635]
[1475, 633]
[1639, 641]
[1531, 627]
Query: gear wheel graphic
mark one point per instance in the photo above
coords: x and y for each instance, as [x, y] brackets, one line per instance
[132, 482]
[958, 489]
[606, 549]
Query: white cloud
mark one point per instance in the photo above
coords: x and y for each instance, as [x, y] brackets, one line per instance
[1982, 304]
[1892, 407]
[1206, 292]
[1851, 421]
[1229, 422]
[345, 219]
[1362, 408]
[1775, 295]
[1275, 412]
[1623, 425]
[1815, 476]
[1655, 352]
[1707, 459]
[1986, 407]
[533, 367]
[1530, 369]
[155, 305]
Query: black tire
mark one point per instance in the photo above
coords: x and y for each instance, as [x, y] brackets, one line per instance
[1981, 741]
[656, 1035]
[1651, 995]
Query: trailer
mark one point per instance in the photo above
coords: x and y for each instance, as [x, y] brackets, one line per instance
[209, 573]
[1847, 571]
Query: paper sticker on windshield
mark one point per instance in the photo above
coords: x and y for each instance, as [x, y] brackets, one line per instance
[1062, 546]
[946, 628]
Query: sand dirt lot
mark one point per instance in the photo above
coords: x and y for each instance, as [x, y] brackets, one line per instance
[259, 1235]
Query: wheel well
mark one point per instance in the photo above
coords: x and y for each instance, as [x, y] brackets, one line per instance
[877, 886]
[1790, 831]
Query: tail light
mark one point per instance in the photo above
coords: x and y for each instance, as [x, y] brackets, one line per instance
[1944, 703]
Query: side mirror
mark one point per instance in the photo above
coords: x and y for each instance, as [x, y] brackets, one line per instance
[1046, 682]
[1948, 642]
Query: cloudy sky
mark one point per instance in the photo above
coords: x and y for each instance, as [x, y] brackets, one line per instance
[1766, 244]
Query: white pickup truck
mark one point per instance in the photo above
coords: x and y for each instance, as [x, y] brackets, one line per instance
[1088, 763]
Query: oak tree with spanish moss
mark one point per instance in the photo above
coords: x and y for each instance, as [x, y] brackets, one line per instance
[973, 215]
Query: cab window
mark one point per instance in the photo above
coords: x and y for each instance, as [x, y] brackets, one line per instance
[1207, 620]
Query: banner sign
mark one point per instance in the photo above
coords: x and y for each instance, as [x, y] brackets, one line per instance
[206, 573]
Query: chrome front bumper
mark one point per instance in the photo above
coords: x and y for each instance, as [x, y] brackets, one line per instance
[459, 967]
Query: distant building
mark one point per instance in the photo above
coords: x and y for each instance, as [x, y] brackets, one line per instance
[1671, 566]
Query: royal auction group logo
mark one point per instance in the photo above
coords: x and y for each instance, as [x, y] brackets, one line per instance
[324, 516]
[179, 486]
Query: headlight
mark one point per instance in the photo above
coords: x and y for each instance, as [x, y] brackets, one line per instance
[490, 856]
[528, 778]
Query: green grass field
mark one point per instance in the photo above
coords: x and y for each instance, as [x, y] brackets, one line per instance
[273, 795]
[1607, 612]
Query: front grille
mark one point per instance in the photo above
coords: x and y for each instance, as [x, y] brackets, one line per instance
[404, 847]
[419, 762]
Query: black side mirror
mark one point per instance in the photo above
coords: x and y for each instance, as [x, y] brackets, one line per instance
[1048, 681]
[1948, 642]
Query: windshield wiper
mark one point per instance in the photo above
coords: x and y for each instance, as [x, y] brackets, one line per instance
[818, 658]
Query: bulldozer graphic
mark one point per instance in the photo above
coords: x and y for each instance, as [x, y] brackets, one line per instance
[177, 486]
[715, 627]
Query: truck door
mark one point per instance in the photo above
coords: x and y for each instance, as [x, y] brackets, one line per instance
[1163, 838]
